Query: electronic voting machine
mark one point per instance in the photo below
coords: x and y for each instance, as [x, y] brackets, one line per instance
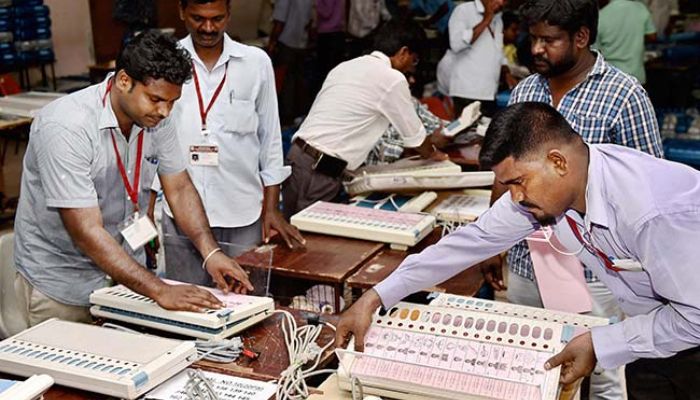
[31, 389]
[96, 359]
[239, 312]
[400, 229]
[416, 175]
[417, 351]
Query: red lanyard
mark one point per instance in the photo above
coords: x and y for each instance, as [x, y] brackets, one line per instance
[202, 112]
[606, 260]
[131, 190]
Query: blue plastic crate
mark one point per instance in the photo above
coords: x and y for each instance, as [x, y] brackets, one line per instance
[686, 151]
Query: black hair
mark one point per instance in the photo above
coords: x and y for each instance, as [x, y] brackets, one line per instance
[184, 3]
[570, 15]
[397, 33]
[522, 128]
[154, 55]
[510, 18]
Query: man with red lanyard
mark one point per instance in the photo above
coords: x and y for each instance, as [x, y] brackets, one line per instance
[89, 164]
[229, 130]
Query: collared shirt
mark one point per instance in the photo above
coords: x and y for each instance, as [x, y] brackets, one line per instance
[662, 11]
[430, 7]
[472, 70]
[622, 26]
[356, 104]
[70, 163]
[607, 107]
[331, 15]
[637, 207]
[365, 16]
[296, 15]
[244, 123]
[390, 146]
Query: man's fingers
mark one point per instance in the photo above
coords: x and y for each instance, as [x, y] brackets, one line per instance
[238, 274]
[341, 336]
[359, 341]
[266, 232]
[556, 361]
[568, 375]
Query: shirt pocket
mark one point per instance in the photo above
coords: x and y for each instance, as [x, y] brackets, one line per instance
[592, 128]
[240, 117]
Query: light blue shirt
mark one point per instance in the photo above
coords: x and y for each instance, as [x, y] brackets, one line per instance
[430, 7]
[638, 207]
[70, 163]
[244, 123]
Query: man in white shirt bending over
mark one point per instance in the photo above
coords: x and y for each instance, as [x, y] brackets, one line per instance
[356, 104]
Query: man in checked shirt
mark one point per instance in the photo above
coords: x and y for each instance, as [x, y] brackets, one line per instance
[602, 104]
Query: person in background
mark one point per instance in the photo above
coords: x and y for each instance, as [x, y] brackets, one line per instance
[603, 104]
[624, 27]
[664, 14]
[287, 46]
[330, 21]
[355, 106]
[472, 67]
[364, 18]
[230, 107]
[390, 146]
[511, 31]
[91, 159]
[437, 11]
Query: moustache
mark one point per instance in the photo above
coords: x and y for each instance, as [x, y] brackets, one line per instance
[527, 204]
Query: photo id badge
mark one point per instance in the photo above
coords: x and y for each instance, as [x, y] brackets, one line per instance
[204, 155]
[137, 230]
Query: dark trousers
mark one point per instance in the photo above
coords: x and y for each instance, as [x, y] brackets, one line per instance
[293, 99]
[331, 51]
[674, 378]
[184, 263]
[488, 107]
[306, 186]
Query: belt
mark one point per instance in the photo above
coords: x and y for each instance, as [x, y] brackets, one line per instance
[309, 149]
[323, 163]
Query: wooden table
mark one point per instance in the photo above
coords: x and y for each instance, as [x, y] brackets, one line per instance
[383, 263]
[326, 259]
[265, 337]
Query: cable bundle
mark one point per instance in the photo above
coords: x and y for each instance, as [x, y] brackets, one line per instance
[302, 349]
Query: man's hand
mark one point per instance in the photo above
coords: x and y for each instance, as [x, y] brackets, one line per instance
[272, 219]
[492, 269]
[186, 298]
[439, 140]
[577, 359]
[356, 320]
[223, 268]
[492, 7]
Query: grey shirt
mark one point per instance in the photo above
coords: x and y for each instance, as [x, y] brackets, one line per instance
[71, 163]
[296, 15]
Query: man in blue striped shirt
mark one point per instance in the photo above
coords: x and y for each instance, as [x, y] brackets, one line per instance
[602, 104]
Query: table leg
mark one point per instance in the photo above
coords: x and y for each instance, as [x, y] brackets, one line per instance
[338, 294]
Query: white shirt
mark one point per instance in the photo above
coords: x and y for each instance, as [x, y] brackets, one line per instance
[244, 123]
[472, 70]
[356, 104]
[365, 16]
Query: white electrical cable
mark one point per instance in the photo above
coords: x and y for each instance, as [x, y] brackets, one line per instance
[302, 349]
[547, 239]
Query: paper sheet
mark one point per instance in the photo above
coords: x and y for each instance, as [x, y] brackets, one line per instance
[227, 388]
[559, 277]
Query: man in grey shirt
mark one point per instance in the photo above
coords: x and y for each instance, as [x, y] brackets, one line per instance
[90, 161]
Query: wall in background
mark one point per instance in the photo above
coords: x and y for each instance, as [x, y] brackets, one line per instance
[72, 36]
